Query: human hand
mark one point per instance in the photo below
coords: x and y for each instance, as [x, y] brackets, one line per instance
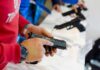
[36, 30]
[57, 8]
[36, 50]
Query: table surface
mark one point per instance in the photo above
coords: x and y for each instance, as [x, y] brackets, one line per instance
[64, 59]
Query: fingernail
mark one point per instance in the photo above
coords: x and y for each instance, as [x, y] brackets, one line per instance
[50, 44]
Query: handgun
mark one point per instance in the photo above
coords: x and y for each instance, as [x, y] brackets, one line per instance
[83, 8]
[60, 44]
[78, 13]
[71, 24]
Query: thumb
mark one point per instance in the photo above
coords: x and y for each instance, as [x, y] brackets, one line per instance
[75, 8]
[47, 42]
[46, 33]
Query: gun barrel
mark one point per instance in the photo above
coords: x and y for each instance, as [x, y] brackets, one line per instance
[72, 12]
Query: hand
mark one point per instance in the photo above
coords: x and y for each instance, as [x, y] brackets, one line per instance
[36, 50]
[57, 8]
[82, 5]
[82, 2]
[74, 7]
[36, 30]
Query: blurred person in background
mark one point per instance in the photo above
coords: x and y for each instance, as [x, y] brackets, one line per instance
[32, 12]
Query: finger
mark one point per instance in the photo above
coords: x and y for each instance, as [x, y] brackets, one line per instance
[47, 51]
[34, 29]
[59, 10]
[51, 51]
[46, 33]
[75, 8]
[46, 42]
[54, 50]
[47, 54]
[48, 48]
[27, 34]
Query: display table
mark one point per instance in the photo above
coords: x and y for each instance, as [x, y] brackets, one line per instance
[64, 59]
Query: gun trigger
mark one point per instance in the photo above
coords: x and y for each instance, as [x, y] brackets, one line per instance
[68, 28]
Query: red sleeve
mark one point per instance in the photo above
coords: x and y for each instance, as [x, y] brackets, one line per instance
[22, 23]
[9, 53]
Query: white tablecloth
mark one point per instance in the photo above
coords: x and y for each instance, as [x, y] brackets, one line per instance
[64, 59]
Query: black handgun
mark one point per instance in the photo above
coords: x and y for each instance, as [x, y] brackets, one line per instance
[60, 44]
[71, 24]
[84, 8]
[78, 13]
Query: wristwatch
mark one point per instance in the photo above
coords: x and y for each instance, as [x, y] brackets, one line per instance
[23, 52]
